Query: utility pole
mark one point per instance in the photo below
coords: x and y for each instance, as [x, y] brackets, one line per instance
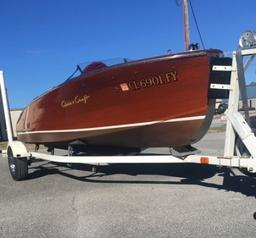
[186, 24]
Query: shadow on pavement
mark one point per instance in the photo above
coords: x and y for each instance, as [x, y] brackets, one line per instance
[189, 174]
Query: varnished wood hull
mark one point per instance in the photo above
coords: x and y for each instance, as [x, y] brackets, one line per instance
[161, 101]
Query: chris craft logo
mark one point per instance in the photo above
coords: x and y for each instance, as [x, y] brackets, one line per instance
[76, 100]
[149, 82]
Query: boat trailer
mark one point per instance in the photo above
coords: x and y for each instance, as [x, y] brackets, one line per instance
[237, 129]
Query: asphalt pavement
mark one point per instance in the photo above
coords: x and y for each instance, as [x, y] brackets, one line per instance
[129, 200]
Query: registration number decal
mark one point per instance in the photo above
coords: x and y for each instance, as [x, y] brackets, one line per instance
[149, 82]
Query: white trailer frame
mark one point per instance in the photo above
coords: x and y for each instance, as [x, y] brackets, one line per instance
[236, 126]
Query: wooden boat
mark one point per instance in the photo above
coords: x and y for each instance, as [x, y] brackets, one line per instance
[156, 102]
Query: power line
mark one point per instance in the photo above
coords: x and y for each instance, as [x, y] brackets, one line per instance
[197, 27]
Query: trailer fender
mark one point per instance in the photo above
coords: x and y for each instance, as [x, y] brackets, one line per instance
[18, 149]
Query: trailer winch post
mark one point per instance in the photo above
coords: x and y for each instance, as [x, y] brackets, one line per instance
[236, 123]
[232, 108]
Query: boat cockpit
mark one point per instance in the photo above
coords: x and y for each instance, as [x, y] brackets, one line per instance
[92, 66]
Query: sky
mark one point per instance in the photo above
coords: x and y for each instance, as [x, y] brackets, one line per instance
[41, 42]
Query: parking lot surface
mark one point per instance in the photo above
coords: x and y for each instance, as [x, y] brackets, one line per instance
[129, 200]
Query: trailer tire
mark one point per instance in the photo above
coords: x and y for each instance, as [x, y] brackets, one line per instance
[18, 166]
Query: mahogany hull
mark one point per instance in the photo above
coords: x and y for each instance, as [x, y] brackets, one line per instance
[161, 101]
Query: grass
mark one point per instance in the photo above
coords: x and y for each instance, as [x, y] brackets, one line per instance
[217, 129]
[3, 145]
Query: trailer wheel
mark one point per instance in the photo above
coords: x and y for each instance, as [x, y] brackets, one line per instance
[18, 166]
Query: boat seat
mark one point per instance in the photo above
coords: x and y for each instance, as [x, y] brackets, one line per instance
[94, 66]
